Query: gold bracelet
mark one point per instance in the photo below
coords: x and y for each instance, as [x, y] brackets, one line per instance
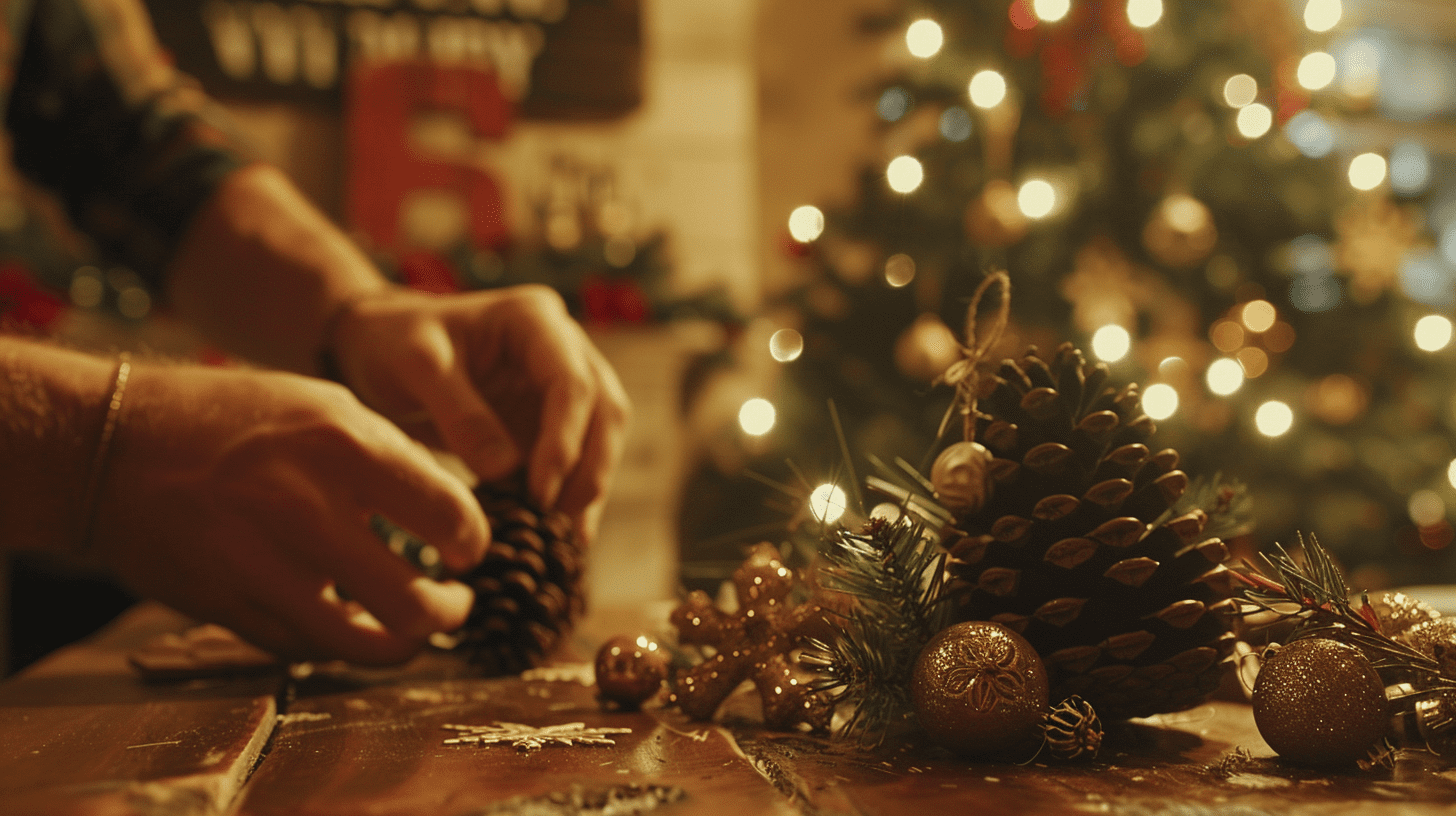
[92, 495]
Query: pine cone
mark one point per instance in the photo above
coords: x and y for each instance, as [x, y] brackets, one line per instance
[528, 589]
[1129, 610]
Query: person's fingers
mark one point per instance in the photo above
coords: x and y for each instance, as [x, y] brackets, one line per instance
[403, 483]
[586, 487]
[432, 373]
[290, 607]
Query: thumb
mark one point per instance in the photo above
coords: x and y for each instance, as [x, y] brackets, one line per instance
[436, 376]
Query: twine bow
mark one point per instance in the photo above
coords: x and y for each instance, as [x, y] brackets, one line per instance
[964, 374]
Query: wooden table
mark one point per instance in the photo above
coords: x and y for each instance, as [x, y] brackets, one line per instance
[80, 733]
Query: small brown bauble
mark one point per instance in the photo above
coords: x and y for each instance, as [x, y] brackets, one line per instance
[961, 477]
[981, 690]
[1319, 702]
[629, 671]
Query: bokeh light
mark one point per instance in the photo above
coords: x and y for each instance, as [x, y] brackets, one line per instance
[955, 124]
[1225, 376]
[1240, 90]
[1322, 15]
[1111, 343]
[1274, 418]
[894, 104]
[1254, 120]
[1433, 333]
[1258, 316]
[1311, 134]
[1160, 401]
[1426, 508]
[905, 174]
[1316, 71]
[899, 270]
[1036, 198]
[1410, 167]
[924, 38]
[806, 223]
[1367, 171]
[828, 503]
[786, 345]
[987, 89]
[1451, 473]
[1253, 360]
[1050, 11]
[757, 416]
[1144, 13]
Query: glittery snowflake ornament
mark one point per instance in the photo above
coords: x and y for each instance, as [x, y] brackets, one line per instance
[527, 738]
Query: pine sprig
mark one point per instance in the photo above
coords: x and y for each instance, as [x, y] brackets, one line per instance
[892, 572]
[1314, 596]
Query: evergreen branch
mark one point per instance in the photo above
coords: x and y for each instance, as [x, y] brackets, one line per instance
[1321, 605]
[893, 572]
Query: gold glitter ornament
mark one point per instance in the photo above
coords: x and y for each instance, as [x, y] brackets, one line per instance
[1436, 639]
[629, 671]
[981, 690]
[1319, 702]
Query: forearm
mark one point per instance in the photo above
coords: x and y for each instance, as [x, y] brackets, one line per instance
[260, 271]
[52, 407]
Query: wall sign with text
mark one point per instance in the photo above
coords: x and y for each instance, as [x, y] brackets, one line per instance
[559, 59]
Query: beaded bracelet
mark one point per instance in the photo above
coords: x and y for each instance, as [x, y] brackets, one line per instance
[98, 463]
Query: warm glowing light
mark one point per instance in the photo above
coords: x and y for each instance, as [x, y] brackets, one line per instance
[988, 89]
[1160, 401]
[1050, 11]
[1036, 198]
[1367, 171]
[905, 174]
[887, 511]
[924, 38]
[1227, 336]
[827, 503]
[1144, 13]
[1433, 333]
[1451, 473]
[1225, 376]
[757, 416]
[1316, 71]
[1254, 120]
[1274, 418]
[1111, 343]
[1239, 90]
[1259, 316]
[899, 270]
[1185, 213]
[1426, 508]
[786, 345]
[1322, 15]
[1253, 360]
[806, 223]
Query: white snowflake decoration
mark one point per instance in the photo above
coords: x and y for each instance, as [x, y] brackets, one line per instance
[528, 738]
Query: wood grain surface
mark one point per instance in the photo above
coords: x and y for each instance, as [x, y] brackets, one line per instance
[81, 734]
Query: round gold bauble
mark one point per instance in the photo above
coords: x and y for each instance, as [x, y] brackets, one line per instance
[961, 477]
[1319, 702]
[629, 671]
[981, 690]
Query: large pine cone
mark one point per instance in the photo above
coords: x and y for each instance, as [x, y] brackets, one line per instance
[1129, 610]
[528, 589]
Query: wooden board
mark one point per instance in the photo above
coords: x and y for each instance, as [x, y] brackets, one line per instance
[80, 732]
[379, 749]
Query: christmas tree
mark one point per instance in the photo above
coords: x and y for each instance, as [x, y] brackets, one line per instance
[1179, 186]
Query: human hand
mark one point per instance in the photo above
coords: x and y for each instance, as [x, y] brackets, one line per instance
[244, 498]
[502, 378]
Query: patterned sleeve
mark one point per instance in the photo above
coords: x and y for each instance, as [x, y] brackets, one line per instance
[98, 114]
